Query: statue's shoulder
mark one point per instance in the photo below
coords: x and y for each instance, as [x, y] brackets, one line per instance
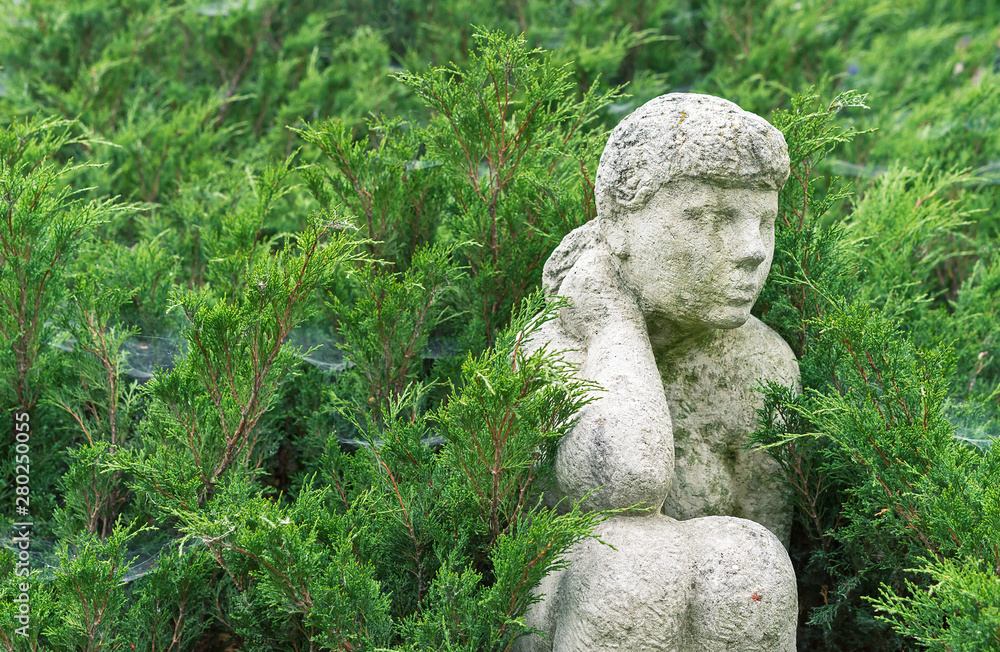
[573, 246]
[767, 353]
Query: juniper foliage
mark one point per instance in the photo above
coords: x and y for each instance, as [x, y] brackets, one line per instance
[233, 122]
[886, 494]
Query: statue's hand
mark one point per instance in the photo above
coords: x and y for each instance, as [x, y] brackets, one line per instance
[600, 299]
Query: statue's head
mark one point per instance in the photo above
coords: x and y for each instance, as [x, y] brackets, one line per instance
[687, 194]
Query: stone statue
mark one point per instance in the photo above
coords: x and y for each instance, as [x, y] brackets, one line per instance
[661, 285]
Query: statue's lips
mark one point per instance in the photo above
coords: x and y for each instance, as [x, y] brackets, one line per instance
[745, 294]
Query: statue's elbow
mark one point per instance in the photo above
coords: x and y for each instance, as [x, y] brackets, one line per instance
[640, 488]
[622, 467]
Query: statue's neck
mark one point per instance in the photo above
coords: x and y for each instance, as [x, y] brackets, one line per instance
[666, 336]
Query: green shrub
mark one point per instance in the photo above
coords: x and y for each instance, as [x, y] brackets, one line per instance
[294, 191]
[881, 482]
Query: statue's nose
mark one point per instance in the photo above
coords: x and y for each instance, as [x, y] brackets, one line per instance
[749, 248]
[751, 258]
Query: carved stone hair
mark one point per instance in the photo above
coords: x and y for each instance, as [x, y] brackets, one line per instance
[690, 136]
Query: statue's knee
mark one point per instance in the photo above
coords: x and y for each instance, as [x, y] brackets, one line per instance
[630, 597]
[745, 593]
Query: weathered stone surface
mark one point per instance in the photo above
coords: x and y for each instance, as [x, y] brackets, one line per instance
[661, 286]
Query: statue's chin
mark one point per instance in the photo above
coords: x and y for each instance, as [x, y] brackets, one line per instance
[731, 320]
[666, 331]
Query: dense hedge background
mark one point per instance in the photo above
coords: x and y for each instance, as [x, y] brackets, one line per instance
[265, 263]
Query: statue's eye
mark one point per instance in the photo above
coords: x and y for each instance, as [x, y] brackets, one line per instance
[709, 216]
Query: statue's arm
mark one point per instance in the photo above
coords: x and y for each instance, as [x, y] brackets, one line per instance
[623, 441]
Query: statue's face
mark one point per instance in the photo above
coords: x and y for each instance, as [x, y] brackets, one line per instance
[696, 255]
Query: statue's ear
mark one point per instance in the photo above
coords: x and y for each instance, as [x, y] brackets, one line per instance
[637, 183]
